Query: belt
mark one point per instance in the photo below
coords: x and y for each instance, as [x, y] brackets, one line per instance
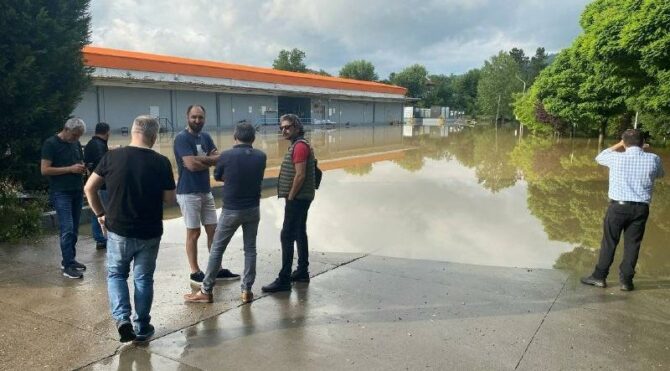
[628, 202]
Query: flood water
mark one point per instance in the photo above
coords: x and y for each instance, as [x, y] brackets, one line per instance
[474, 196]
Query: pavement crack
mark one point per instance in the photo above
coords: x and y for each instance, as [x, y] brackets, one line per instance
[541, 323]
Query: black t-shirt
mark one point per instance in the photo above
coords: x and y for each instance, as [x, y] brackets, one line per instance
[62, 154]
[93, 152]
[135, 178]
[242, 169]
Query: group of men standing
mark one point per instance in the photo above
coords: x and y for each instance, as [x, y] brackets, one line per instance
[127, 188]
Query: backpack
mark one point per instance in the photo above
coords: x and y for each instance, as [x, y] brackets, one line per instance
[318, 174]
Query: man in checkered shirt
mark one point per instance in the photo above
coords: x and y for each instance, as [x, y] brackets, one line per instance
[631, 183]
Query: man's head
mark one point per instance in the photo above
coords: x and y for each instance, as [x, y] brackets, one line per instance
[195, 116]
[632, 138]
[244, 132]
[102, 130]
[145, 129]
[73, 129]
[290, 126]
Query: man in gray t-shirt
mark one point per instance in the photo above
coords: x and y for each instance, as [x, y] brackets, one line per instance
[195, 152]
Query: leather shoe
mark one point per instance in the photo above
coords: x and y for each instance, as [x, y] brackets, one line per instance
[277, 286]
[627, 286]
[597, 282]
[300, 276]
[247, 296]
[198, 297]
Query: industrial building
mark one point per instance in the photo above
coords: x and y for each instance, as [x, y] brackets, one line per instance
[127, 84]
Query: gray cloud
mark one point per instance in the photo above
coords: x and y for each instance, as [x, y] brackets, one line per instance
[447, 36]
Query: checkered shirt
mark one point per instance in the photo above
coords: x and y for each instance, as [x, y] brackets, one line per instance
[632, 173]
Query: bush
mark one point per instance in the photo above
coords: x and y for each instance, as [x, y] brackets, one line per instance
[19, 217]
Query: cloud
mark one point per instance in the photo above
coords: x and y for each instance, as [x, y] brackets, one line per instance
[447, 36]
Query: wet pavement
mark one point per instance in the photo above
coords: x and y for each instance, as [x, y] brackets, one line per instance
[441, 251]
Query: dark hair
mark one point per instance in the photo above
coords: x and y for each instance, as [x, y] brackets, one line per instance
[102, 128]
[188, 110]
[245, 132]
[632, 137]
[295, 121]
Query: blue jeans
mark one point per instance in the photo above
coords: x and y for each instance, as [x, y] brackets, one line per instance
[68, 210]
[96, 230]
[121, 251]
[229, 221]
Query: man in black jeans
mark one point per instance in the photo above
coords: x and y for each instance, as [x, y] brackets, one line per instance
[297, 185]
[632, 173]
[93, 152]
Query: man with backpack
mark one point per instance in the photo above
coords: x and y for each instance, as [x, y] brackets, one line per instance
[297, 183]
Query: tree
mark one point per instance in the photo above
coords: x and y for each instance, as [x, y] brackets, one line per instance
[321, 72]
[498, 79]
[42, 77]
[290, 60]
[465, 92]
[537, 63]
[440, 91]
[414, 78]
[359, 70]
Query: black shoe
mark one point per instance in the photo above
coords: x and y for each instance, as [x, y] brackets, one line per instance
[277, 286]
[226, 275]
[71, 272]
[597, 282]
[197, 277]
[100, 245]
[627, 286]
[126, 331]
[144, 336]
[300, 276]
[76, 265]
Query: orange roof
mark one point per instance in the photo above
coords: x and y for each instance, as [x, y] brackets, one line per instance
[128, 60]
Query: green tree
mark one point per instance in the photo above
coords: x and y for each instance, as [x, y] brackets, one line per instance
[537, 63]
[290, 60]
[497, 82]
[42, 77]
[414, 78]
[440, 91]
[359, 70]
[465, 92]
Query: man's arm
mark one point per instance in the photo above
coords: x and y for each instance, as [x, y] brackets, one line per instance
[300, 172]
[47, 170]
[198, 163]
[605, 156]
[91, 188]
[169, 197]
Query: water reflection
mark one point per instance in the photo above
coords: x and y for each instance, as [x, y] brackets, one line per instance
[474, 196]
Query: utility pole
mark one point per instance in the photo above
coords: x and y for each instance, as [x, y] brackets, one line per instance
[635, 124]
[523, 93]
[497, 112]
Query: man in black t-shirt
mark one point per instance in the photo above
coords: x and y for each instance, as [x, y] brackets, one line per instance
[63, 162]
[93, 152]
[139, 181]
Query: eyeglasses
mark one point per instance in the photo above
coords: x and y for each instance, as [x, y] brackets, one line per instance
[282, 128]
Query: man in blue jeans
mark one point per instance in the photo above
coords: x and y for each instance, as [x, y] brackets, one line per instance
[241, 169]
[63, 163]
[141, 180]
[93, 152]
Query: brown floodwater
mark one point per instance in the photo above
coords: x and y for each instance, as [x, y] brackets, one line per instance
[472, 196]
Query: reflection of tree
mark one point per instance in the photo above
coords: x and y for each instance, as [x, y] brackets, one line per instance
[493, 168]
[359, 170]
[567, 192]
[412, 161]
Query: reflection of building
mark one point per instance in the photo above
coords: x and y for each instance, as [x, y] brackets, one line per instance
[127, 84]
[432, 131]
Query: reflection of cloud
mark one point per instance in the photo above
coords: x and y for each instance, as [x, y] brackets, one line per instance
[446, 36]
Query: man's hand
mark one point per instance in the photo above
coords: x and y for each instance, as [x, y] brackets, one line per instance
[101, 221]
[77, 169]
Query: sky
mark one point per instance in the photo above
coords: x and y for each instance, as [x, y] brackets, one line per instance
[446, 36]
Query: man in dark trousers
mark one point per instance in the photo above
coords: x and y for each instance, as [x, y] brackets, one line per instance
[297, 185]
[632, 172]
[63, 163]
[241, 170]
[93, 152]
[141, 180]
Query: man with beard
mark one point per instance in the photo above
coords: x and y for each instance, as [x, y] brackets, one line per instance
[195, 152]
[297, 184]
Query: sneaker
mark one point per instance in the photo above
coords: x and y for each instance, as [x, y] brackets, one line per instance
[71, 272]
[198, 297]
[197, 277]
[144, 336]
[247, 296]
[597, 282]
[277, 286]
[101, 245]
[300, 276]
[627, 286]
[76, 265]
[126, 332]
[226, 275]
